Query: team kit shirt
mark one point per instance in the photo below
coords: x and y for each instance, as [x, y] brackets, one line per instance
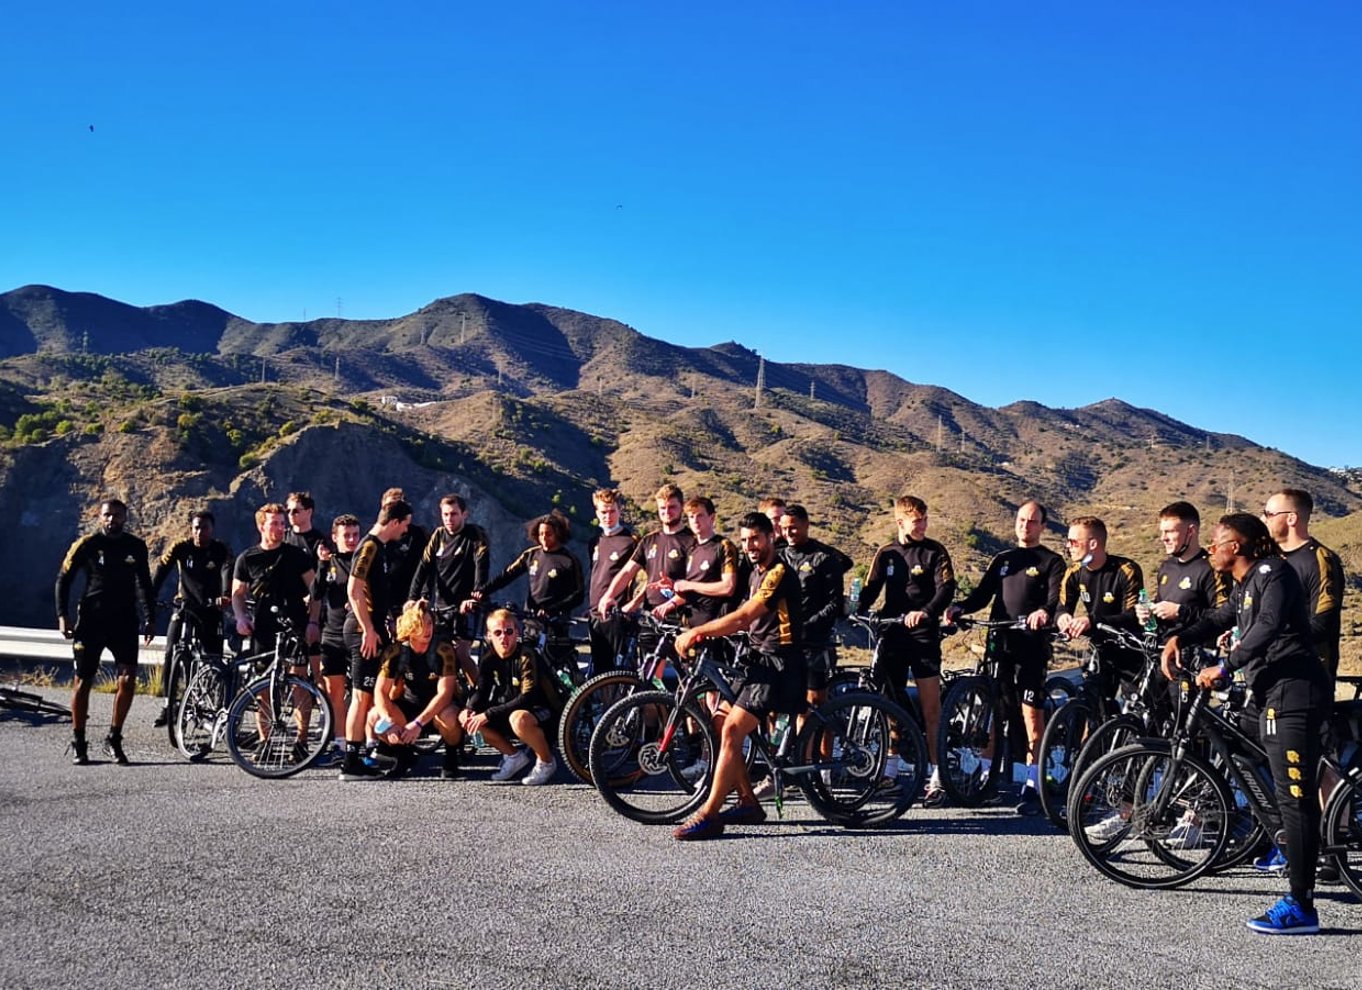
[117, 580]
[312, 541]
[404, 557]
[1019, 581]
[420, 674]
[329, 588]
[819, 569]
[1193, 585]
[915, 576]
[708, 562]
[1321, 573]
[663, 555]
[518, 682]
[555, 580]
[370, 565]
[609, 552]
[781, 630]
[1108, 594]
[203, 571]
[277, 577]
[453, 565]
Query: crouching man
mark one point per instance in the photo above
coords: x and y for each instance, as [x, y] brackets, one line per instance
[517, 697]
[418, 687]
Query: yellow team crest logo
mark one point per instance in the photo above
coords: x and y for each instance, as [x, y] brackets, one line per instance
[1163, 579]
[1185, 583]
[1292, 756]
[804, 568]
[1033, 572]
[615, 555]
[1248, 601]
[672, 554]
[917, 569]
[1108, 597]
[553, 573]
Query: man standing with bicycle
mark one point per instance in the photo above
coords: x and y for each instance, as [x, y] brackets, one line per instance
[918, 580]
[1023, 584]
[202, 564]
[117, 584]
[771, 679]
[1287, 515]
[1108, 587]
[1289, 690]
[609, 551]
[819, 569]
[453, 565]
[1185, 585]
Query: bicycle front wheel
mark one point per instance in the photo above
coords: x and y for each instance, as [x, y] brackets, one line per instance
[203, 704]
[1148, 819]
[1065, 735]
[181, 667]
[277, 727]
[861, 760]
[968, 733]
[582, 713]
[652, 763]
[1342, 828]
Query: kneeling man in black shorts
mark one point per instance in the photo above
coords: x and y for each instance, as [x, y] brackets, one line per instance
[772, 679]
[418, 687]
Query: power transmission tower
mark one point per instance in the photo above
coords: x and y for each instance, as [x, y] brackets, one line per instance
[463, 329]
[940, 433]
[761, 379]
[337, 374]
[262, 370]
[338, 307]
[811, 399]
[1229, 499]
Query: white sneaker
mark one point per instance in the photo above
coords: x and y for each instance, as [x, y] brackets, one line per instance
[1107, 829]
[541, 774]
[764, 787]
[1186, 834]
[513, 764]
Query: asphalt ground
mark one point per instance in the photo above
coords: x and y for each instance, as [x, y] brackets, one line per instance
[166, 874]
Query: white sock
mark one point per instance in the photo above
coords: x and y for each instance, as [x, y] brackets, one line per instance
[985, 765]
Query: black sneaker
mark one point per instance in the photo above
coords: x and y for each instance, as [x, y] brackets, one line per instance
[80, 753]
[450, 769]
[403, 760]
[1327, 871]
[113, 746]
[1028, 802]
[354, 767]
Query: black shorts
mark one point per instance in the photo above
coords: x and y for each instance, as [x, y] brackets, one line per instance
[768, 683]
[819, 663]
[502, 726]
[335, 659]
[905, 654]
[1024, 661]
[364, 672]
[92, 638]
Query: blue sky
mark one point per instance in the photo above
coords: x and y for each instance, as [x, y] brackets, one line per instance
[1058, 201]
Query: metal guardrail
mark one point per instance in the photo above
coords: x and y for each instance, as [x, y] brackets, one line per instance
[48, 646]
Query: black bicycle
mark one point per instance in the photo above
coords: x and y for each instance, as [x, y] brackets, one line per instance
[15, 700]
[859, 759]
[279, 723]
[186, 657]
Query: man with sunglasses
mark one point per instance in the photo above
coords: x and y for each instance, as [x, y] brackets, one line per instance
[1108, 588]
[1287, 515]
[299, 507]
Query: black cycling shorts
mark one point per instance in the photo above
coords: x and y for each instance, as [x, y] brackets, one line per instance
[767, 683]
[335, 659]
[819, 664]
[904, 654]
[92, 638]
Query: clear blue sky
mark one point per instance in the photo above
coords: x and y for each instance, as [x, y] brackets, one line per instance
[1058, 201]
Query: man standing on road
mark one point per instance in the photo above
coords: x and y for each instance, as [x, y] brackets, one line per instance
[453, 565]
[609, 550]
[203, 565]
[367, 635]
[1023, 584]
[117, 583]
[1287, 514]
[918, 581]
[661, 554]
[278, 578]
[1185, 585]
[771, 680]
[1108, 587]
[404, 556]
[819, 569]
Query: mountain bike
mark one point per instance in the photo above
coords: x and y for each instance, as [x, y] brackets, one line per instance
[859, 759]
[589, 702]
[279, 723]
[186, 655]
[14, 700]
[201, 721]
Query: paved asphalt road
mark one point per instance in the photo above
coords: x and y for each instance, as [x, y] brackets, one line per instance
[166, 874]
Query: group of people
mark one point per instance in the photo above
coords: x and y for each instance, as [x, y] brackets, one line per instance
[389, 616]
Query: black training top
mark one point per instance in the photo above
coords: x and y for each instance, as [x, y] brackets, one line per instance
[1109, 594]
[330, 588]
[455, 563]
[819, 569]
[521, 681]
[555, 580]
[781, 629]
[404, 556]
[915, 576]
[1321, 572]
[660, 554]
[609, 552]
[370, 565]
[1270, 608]
[204, 571]
[708, 562]
[1019, 581]
[310, 542]
[117, 578]
[1194, 586]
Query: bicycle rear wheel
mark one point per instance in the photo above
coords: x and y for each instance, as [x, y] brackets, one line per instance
[651, 767]
[584, 710]
[1342, 827]
[1060, 745]
[1147, 819]
[862, 760]
[968, 731]
[276, 728]
[182, 664]
[196, 720]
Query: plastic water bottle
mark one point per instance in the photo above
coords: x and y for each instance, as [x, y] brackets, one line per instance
[1151, 624]
[854, 599]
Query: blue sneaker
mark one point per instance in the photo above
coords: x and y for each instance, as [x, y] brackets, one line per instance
[1273, 862]
[1286, 917]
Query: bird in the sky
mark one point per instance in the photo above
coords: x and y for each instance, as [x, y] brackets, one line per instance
[92, 128]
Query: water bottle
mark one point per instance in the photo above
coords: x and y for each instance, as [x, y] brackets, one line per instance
[1151, 624]
[854, 599]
